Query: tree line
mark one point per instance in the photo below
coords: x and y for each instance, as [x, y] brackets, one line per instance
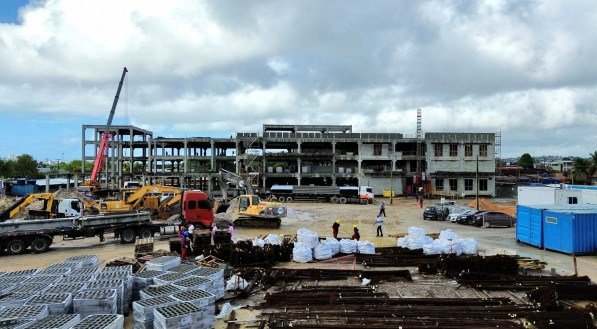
[25, 166]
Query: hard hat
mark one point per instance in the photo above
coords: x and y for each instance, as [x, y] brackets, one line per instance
[354, 226]
[338, 221]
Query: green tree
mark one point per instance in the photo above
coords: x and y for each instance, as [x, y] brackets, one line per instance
[26, 167]
[7, 168]
[500, 162]
[526, 161]
[581, 168]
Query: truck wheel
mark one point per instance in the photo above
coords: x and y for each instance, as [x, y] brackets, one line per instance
[281, 199]
[334, 200]
[289, 199]
[127, 236]
[15, 247]
[145, 233]
[273, 198]
[342, 200]
[364, 202]
[39, 245]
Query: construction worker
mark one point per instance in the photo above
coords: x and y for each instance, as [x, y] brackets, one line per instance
[382, 209]
[379, 222]
[214, 229]
[356, 235]
[183, 234]
[421, 202]
[231, 230]
[335, 229]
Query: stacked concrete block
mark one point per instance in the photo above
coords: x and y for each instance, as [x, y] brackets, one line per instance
[47, 279]
[63, 321]
[168, 278]
[24, 314]
[95, 302]
[31, 288]
[77, 279]
[56, 270]
[117, 285]
[199, 298]
[143, 280]
[185, 268]
[57, 304]
[180, 316]
[101, 321]
[143, 310]
[217, 278]
[163, 263]
[66, 288]
[5, 288]
[84, 271]
[127, 278]
[14, 298]
[21, 273]
[157, 291]
[84, 261]
[194, 283]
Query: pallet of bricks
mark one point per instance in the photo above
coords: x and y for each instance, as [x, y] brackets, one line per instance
[76, 293]
[175, 295]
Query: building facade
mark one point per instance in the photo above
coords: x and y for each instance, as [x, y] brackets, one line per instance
[442, 163]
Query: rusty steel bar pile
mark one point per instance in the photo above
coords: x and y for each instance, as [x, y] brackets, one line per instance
[356, 307]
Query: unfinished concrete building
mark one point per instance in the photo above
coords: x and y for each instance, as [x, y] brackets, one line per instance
[442, 163]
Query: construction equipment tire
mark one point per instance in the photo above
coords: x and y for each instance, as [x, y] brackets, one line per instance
[16, 246]
[127, 236]
[39, 245]
[342, 200]
[281, 199]
[289, 199]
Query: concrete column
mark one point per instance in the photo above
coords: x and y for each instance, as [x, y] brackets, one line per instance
[393, 156]
[185, 165]
[213, 156]
[237, 159]
[83, 150]
[149, 167]
[132, 149]
[299, 164]
[68, 182]
[76, 181]
[360, 158]
[264, 162]
[47, 183]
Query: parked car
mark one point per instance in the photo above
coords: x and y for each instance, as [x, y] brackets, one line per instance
[454, 216]
[493, 219]
[467, 219]
[433, 213]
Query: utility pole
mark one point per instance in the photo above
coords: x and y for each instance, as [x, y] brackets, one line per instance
[477, 182]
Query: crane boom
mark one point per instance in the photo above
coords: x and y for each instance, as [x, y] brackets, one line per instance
[226, 177]
[101, 154]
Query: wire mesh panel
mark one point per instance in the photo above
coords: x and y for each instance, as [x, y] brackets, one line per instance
[63, 321]
[143, 310]
[101, 321]
[57, 303]
[95, 302]
[180, 316]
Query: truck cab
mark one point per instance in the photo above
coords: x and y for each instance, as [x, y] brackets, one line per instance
[70, 208]
[366, 193]
[197, 209]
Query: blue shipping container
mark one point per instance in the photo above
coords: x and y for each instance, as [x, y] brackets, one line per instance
[570, 231]
[529, 227]
[23, 190]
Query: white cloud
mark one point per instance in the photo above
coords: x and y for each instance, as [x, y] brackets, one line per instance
[218, 67]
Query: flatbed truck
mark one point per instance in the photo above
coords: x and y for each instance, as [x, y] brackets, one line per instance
[17, 236]
[333, 194]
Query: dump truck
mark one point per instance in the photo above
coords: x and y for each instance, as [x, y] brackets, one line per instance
[333, 194]
[16, 236]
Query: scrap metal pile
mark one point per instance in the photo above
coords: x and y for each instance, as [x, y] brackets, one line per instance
[245, 253]
[320, 307]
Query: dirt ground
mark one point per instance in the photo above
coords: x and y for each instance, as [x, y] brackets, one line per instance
[319, 217]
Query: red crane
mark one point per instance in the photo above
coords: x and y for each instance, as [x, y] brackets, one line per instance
[103, 148]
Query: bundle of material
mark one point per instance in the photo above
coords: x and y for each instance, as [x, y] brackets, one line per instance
[452, 265]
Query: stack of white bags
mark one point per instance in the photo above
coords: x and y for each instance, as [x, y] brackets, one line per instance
[307, 241]
[448, 242]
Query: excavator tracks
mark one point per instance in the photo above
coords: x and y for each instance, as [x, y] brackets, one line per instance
[258, 222]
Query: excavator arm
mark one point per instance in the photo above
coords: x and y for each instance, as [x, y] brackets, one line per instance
[228, 178]
[135, 199]
[22, 203]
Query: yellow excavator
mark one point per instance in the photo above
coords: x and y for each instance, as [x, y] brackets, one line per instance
[250, 211]
[52, 207]
[157, 199]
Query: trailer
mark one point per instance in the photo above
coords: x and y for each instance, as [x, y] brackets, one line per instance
[333, 194]
[16, 236]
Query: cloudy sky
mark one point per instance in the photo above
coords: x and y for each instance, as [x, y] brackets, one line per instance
[199, 68]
